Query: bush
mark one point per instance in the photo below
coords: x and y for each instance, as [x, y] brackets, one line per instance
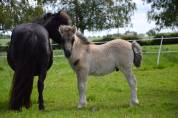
[129, 37]
[166, 35]
[166, 41]
[107, 38]
[112, 37]
[5, 36]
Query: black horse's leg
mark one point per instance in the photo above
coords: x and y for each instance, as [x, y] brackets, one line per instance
[27, 101]
[42, 77]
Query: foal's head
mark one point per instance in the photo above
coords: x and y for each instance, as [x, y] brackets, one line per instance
[68, 37]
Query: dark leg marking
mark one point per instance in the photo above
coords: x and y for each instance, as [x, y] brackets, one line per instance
[76, 62]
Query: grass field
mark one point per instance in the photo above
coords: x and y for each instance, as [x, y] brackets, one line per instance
[108, 96]
[4, 41]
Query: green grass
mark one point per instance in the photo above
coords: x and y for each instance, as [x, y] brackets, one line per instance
[173, 47]
[108, 96]
[4, 41]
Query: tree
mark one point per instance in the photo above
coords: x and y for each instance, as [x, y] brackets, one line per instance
[16, 12]
[151, 32]
[99, 14]
[85, 14]
[164, 13]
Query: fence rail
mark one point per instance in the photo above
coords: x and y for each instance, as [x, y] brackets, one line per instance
[147, 52]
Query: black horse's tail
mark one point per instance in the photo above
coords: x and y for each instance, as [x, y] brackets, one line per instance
[22, 85]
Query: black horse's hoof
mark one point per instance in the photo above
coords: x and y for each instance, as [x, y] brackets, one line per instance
[15, 108]
[28, 104]
[41, 108]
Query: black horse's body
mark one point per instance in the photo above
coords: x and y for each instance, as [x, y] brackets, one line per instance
[29, 43]
[30, 54]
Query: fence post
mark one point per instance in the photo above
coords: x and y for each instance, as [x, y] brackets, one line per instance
[159, 51]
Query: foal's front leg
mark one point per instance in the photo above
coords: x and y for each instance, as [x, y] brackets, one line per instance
[81, 82]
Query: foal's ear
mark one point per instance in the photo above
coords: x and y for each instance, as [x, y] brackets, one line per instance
[74, 29]
[60, 29]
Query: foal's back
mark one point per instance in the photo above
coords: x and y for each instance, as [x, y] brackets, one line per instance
[107, 57]
[112, 48]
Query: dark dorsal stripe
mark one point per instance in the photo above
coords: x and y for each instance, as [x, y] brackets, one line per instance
[76, 62]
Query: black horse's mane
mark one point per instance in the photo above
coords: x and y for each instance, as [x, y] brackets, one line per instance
[42, 20]
[83, 38]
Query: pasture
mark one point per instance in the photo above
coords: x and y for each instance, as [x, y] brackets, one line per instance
[108, 96]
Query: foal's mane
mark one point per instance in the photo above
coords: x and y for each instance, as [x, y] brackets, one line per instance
[82, 38]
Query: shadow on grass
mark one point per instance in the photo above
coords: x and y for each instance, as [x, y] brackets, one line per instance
[91, 107]
[1, 68]
[4, 106]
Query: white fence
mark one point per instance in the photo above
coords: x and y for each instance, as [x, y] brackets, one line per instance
[148, 52]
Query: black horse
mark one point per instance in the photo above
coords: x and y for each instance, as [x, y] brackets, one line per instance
[30, 54]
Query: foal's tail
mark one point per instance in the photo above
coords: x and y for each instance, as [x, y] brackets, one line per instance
[137, 54]
[22, 85]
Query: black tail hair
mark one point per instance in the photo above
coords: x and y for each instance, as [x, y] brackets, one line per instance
[22, 85]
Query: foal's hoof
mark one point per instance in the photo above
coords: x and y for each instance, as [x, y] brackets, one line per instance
[134, 103]
[81, 105]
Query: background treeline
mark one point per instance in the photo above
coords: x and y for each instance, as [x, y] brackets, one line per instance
[145, 41]
[140, 39]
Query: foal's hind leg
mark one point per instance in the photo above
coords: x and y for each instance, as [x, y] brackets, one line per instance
[42, 77]
[132, 83]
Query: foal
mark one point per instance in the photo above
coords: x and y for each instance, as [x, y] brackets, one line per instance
[90, 59]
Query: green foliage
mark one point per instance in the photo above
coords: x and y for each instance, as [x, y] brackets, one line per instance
[129, 37]
[165, 41]
[166, 35]
[117, 36]
[14, 12]
[85, 14]
[106, 38]
[151, 32]
[4, 36]
[5, 17]
[164, 13]
[141, 42]
[108, 96]
[99, 14]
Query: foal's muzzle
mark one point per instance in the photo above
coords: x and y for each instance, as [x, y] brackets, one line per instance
[67, 53]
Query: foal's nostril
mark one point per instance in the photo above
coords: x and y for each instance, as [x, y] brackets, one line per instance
[67, 53]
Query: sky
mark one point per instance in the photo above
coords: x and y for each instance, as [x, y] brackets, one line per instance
[139, 22]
